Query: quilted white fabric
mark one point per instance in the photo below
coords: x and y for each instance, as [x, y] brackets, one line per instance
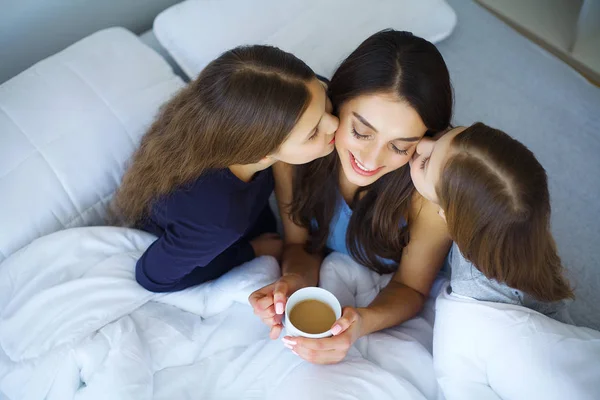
[321, 33]
[67, 127]
[493, 351]
[74, 324]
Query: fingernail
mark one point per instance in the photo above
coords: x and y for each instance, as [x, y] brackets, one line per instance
[289, 346]
[295, 353]
[336, 329]
[287, 341]
[279, 308]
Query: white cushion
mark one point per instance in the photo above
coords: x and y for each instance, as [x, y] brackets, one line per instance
[492, 351]
[322, 33]
[67, 127]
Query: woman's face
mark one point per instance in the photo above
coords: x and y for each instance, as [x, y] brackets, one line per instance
[377, 134]
[312, 137]
[427, 163]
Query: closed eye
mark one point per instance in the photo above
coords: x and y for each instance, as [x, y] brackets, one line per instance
[358, 135]
[314, 135]
[404, 152]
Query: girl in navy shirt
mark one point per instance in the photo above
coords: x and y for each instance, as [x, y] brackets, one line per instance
[202, 176]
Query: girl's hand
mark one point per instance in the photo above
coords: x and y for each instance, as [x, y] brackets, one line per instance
[331, 350]
[269, 302]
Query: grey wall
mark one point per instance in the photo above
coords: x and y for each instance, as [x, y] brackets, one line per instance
[31, 30]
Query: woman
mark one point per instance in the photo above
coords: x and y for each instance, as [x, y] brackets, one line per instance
[202, 176]
[389, 93]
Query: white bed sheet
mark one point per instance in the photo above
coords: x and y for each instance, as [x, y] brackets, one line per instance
[493, 351]
[74, 324]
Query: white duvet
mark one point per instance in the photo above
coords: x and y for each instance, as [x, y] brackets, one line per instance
[74, 324]
[493, 351]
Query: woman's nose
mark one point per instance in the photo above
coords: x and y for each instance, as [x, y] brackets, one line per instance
[371, 156]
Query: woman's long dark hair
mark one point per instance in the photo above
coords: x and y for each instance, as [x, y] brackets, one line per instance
[388, 62]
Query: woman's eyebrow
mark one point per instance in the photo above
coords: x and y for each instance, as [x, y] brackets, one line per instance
[367, 123]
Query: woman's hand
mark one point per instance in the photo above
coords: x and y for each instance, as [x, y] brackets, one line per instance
[331, 350]
[269, 302]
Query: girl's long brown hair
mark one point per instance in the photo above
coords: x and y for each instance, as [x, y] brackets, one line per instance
[240, 109]
[495, 196]
[412, 69]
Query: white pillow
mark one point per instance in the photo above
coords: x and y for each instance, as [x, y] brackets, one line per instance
[322, 33]
[493, 351]
[67, 126]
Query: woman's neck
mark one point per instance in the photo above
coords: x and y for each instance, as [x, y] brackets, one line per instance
[347, 188]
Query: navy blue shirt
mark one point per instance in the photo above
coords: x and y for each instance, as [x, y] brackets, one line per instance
[203, 230]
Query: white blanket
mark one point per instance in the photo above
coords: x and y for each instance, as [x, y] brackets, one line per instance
[74, 324]
[493, 351]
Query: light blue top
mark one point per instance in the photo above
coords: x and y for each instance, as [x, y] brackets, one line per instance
[338, 227]
[336, 241]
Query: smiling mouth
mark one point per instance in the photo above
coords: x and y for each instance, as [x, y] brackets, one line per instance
[360, 168]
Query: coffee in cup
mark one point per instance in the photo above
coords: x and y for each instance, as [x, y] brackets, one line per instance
[311, 312]
[312, 316]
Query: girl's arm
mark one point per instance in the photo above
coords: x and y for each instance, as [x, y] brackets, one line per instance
[295, 260]
[298, 268]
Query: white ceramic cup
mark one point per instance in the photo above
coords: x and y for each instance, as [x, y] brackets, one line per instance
[310, 293]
